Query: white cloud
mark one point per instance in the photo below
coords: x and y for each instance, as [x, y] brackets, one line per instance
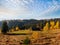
[31, 1]
[25, 1]
[21, 10]
[14, 8]
[52, 8]
[10, 12]
[43, 15]
[14, 1]
[28, 1]
[9, 7]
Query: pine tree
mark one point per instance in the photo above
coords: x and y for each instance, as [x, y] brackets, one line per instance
[4, 27]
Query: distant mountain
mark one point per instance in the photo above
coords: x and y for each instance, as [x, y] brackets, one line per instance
[28, 23]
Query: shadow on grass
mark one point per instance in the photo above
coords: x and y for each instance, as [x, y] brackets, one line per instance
[17, 34]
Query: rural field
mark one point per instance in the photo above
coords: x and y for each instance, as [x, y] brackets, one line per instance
[33, 33]
[47, 37]
[29, 22]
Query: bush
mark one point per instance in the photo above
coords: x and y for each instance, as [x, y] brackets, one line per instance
[26, 41]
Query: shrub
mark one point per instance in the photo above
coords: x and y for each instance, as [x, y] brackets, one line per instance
[26, 41]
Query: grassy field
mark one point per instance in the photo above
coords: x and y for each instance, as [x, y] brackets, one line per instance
[46, 37]
[40, 32]
[21, 32]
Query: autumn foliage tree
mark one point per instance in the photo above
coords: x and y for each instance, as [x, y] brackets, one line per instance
[17, 28]
[46, 27]
[57, 25]
[52, 24]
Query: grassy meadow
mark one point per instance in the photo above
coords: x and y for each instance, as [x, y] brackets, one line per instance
[33, 33]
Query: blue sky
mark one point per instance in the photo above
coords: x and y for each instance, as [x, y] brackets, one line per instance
[29, 9]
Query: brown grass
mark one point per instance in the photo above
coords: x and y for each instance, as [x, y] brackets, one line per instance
[51, 37]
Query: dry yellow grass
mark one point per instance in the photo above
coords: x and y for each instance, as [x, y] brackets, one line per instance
[38, 37]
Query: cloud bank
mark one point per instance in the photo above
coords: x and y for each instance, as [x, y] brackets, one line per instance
[27, 9]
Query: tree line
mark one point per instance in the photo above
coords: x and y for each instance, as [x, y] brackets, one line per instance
[35, 26]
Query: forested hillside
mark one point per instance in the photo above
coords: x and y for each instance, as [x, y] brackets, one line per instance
[32, 23]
